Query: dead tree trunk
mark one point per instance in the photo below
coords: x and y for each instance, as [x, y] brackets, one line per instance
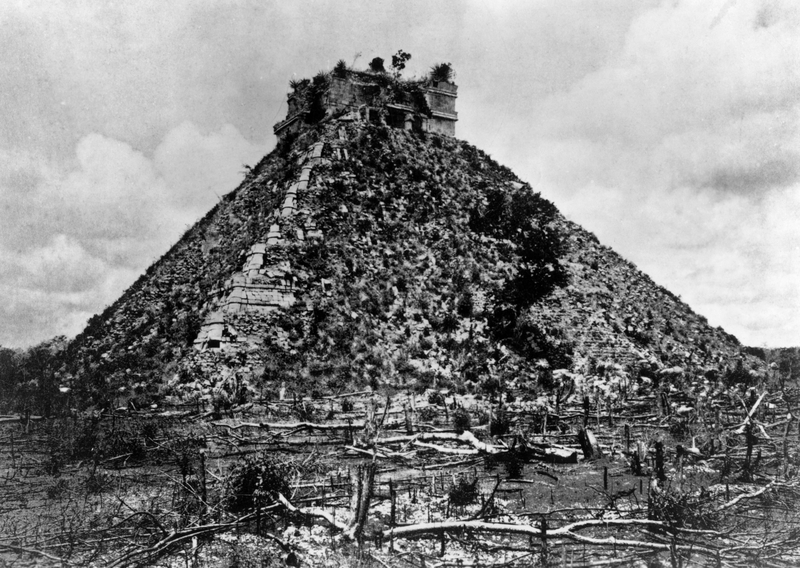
[750, 440]
[359, 501]
[660, 474]
[409, 419]
[586, 407]
[589, 446]
[665, 403]
[786, 448]
[636, 464]
[369, 435]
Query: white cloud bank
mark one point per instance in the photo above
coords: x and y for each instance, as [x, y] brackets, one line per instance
[91, 228]
[683, 153]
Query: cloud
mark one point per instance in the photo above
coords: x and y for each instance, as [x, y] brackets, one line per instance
[682, 152]
[91, 227]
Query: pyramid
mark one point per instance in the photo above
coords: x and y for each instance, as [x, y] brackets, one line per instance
[373, 249]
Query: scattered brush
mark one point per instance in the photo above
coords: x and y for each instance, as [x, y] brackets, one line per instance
[463, 492]
[256, 481]
[461, 420]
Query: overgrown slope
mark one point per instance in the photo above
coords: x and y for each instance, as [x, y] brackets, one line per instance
[436, 266]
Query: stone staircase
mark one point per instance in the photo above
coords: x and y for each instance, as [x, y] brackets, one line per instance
[266, 281]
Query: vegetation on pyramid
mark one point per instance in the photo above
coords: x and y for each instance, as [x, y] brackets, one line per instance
[371, 251]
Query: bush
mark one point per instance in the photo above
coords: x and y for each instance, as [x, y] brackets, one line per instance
[679, 428]
[427, 414]
[500, 424]
[491, 386]
[340, 69]
[123, 442]
[305, 411]
[463, 493]
[256, 482]
[461, 420]
[682, 510]
[86, 438]
[130, 438]
[465, 305]
[435, 397]
[527, 220]
[441, 72]
[515, 467]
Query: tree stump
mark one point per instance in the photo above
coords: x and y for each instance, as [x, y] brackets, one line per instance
[589, 446]
[360, 499]
[660, 462]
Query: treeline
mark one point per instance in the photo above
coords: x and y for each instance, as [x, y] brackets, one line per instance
[30, 379]
[786, 359]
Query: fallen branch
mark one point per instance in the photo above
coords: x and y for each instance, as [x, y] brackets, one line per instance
[34, 552]
[410, 531]
[380, 453]
[12, 419]
[614, 541]
[179, 536]
[299, 426]
[314, 513]
[532, 481]
[444, 450]
[468, 461]
[466, 437]
[743, 496]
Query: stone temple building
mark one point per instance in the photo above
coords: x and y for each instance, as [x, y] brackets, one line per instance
[428, 105]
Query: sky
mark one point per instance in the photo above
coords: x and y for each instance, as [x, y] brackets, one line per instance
[669, 129]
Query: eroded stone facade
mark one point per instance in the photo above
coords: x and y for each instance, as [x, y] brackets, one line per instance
[365, 96]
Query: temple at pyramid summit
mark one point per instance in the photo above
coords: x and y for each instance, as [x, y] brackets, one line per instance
[428, 105]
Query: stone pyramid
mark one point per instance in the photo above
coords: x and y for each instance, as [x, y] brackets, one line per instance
[373, 249]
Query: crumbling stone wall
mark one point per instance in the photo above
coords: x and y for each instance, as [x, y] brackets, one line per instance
[368, 92]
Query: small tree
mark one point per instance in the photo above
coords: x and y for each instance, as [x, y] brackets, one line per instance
[376, 65]
[256, 482]
[340, 69]
[399, 61]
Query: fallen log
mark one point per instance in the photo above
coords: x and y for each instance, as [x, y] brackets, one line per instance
[446, 450]
[300, 426]
[550, 454]
[743, 496]
[542, 451]
[12, 419]
[313, 513]
[466, 437]
[34, 552]
[379, 453]
[566, 533]
[535, 530]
